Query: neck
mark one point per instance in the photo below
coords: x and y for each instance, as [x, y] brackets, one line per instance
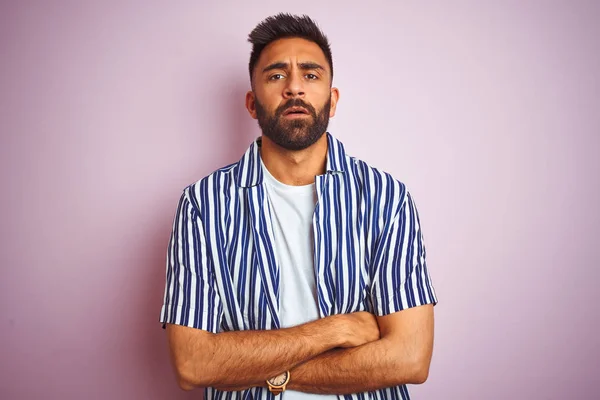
[295, 167]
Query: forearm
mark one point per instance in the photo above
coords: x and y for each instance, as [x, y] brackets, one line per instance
[248, 358]
[368, 367]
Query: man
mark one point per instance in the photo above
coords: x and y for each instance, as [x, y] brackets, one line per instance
[298, 269]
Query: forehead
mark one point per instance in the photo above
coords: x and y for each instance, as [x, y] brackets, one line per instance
[292, 49]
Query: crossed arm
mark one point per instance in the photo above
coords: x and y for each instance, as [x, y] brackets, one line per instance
[347, 353]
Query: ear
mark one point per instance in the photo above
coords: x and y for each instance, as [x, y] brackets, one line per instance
[335, 96]
[251, 104]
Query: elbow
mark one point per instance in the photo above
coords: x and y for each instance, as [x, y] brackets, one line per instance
[185, 379]
[189, 377]
[192, 356]
[185, 384]
[420, 374]
[419, 371]
[414, 372]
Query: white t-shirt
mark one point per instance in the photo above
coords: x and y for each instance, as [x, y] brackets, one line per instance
[292, 209]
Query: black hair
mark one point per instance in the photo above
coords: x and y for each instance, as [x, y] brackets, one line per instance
[285, 25]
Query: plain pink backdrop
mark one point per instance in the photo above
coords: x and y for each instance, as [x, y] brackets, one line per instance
[489, 112]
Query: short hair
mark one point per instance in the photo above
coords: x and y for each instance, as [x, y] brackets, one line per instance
[285, 25]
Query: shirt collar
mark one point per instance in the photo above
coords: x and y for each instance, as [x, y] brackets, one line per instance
[250, 173]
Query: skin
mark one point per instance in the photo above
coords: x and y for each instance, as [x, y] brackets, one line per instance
[276, 86]
[239, 360]
[339, 354]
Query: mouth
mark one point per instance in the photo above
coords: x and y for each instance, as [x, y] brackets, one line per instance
[295, 112]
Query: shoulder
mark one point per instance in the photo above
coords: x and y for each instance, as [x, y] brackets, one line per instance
[375, 183]
[212, 187]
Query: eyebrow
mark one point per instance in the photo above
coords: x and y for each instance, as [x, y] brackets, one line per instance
[302, 65]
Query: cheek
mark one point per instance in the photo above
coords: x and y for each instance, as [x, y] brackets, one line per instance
[271, 91]
[322, 96]
[268, 101]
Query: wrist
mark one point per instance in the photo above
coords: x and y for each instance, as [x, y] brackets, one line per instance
[278, 384]
[338, 329]
[325, 333]
[298, 373]
[334, 330]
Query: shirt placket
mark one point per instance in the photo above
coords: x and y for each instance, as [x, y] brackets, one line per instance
[319, 245]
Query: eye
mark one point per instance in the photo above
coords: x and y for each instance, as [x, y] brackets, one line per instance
[311, 77]
[276, 77]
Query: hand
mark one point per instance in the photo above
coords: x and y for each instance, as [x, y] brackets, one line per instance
[359, 328]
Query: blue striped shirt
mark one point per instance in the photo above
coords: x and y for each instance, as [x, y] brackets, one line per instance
[222, 272]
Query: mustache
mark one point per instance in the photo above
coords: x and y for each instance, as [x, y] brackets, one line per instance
[295, 103]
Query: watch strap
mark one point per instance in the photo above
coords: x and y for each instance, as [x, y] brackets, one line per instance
[276, 391]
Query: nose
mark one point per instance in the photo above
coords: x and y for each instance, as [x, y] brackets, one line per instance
[294, 87]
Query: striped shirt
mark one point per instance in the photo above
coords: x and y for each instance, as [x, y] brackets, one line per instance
[222, 272]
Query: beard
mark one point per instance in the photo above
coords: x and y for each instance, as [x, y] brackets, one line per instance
[294, 134]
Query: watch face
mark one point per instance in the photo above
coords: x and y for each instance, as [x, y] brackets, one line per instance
[279, 380]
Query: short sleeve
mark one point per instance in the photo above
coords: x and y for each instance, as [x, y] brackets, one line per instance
[400, 278]
[191, 297]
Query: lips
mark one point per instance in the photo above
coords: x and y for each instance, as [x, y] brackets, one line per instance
[295, 110]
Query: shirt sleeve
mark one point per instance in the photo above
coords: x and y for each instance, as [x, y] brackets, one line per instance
[401, 279]
[191, 297]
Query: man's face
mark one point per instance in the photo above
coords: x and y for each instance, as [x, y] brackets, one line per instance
[292, 97]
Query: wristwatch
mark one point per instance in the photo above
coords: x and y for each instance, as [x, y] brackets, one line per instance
[277, 384]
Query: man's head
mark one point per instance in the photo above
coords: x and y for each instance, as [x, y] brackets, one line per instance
[291, 76]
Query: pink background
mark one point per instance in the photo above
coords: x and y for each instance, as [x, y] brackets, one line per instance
[489, 112]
